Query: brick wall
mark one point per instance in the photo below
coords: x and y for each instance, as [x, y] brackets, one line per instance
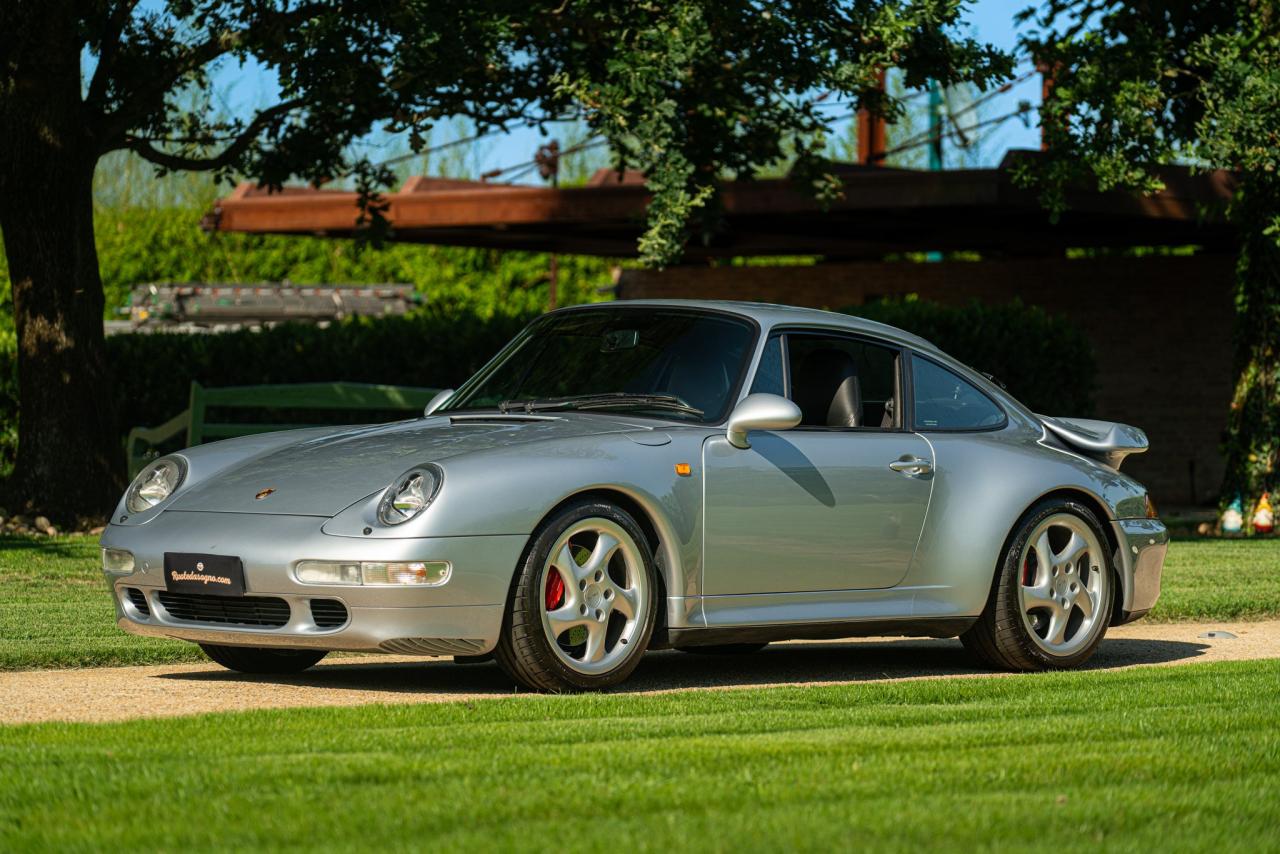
[1161, 328]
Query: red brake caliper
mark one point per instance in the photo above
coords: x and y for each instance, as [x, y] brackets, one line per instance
[1029, 571]
[555, 590]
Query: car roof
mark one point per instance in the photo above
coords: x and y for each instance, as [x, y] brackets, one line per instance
[769, 315]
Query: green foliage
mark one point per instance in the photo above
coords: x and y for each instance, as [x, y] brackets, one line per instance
[1044, 361]
[1138, 85]
[141, 245]
[683, 90]
[432, 347]
[475, 298]
[429, 348]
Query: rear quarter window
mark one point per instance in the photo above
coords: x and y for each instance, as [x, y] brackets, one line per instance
[944, 400]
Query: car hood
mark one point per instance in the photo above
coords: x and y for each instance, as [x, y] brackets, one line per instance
[321, 476]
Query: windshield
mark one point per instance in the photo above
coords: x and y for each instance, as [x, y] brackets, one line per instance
[671, 363]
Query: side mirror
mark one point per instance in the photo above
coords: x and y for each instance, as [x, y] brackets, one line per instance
[438, 401]
[760, 412]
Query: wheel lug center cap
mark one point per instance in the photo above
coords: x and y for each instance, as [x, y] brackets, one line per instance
[594, 596]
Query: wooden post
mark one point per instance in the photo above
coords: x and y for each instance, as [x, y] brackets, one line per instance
[871, 134]
[1046, 92]
[195, 410]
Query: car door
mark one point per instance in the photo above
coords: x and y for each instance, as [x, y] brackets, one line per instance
[837, 503]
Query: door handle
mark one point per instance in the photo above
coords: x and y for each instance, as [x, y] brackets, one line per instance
[912, 466]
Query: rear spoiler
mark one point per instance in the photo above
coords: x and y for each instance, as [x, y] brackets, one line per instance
[1105, 441]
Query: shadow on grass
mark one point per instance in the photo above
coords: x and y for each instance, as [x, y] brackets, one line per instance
[668, 670]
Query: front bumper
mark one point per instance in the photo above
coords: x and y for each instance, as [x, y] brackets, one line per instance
[1142, 544]
[463, 616]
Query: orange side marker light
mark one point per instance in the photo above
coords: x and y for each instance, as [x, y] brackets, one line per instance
[684, 469]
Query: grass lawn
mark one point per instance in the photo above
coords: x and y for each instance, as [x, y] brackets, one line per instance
[1170, 758]
[55, 610]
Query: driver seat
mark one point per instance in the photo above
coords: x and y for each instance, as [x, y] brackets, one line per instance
[827, 390]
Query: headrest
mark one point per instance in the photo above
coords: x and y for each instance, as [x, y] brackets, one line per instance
[827, 390]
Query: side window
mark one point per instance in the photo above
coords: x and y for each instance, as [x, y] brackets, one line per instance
[946, 401]
[843, 382]
[769, 376]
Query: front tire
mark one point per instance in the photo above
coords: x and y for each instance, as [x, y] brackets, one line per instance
[1052, 597]
[583, 604]
[248, 659]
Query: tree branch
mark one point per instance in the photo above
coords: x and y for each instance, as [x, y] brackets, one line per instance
[227, 156]
[144, 100]
[109, 46]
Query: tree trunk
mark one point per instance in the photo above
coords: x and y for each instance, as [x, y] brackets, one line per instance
[1253, 431]
[70, 460]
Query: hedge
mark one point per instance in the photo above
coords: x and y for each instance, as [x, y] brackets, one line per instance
[1043, 360]
[153, 372]
[139, 245]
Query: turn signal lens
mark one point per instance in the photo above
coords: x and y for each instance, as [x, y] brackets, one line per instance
[1151, 509]
[428, 573]
[431, 573]
[117, 561]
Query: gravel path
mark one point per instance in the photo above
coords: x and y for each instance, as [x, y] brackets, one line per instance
[122, 693]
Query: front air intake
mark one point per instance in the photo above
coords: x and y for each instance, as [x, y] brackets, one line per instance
[328, 613]
[138, 600]
[263, 611]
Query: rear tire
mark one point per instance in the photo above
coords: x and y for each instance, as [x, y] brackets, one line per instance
[1052, 597]
[248, 659]
[583, 603]
[724, 649]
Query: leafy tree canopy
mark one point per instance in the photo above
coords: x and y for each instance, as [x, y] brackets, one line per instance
[1137, 85]
[685, 91]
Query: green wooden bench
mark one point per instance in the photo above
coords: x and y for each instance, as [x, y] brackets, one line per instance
[354, 396]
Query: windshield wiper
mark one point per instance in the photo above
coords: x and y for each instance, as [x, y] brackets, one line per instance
[607, 400]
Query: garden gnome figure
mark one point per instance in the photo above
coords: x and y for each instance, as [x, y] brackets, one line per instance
[1264, 518]
[1233, 517]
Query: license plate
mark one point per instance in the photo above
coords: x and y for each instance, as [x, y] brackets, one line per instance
[216, 575]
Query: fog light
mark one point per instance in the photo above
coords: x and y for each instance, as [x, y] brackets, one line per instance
[117, 561]
[327, 572]
[430, 573]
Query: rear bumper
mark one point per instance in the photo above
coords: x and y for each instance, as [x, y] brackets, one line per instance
[461, 617]
[1142, 544]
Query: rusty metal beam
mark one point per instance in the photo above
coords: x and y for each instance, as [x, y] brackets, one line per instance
[882, 209]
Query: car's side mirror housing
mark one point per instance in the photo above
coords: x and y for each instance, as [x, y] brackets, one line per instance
[441, 398]
[760, 412]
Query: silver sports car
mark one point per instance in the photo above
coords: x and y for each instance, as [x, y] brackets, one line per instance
[641, 475]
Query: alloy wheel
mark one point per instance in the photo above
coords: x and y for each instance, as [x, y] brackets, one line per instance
[1063, 585]
[595, 596]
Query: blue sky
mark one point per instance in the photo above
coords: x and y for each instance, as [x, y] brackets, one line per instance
[242, 88]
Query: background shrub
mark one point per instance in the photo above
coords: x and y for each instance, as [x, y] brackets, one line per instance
[1044, 361]
[153, 373]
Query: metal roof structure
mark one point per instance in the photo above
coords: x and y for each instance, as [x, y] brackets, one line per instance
[195, 306]
[882, 211]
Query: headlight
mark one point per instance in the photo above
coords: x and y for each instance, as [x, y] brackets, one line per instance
[154, 484]
[409, 495]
